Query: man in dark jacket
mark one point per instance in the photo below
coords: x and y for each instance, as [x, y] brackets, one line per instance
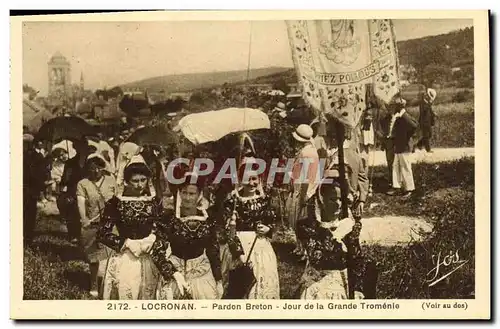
[402, 131]
[386, 140]
[426, 119]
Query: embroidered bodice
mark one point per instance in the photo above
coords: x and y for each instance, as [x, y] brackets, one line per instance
[324, 252]
[190, 237]
[133, 217]
[250, 211]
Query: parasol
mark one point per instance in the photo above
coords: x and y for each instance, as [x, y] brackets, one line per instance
[200, 128]
[67, 127]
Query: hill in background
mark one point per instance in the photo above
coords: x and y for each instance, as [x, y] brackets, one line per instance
[433, 57]
[187, 82]
[436, 59]
[452, 49]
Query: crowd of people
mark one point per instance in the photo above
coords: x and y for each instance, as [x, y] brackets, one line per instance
[146, 238]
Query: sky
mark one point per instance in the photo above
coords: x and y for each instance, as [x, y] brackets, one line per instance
[112, 53]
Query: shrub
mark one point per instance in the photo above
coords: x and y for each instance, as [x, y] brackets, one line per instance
[410, 267]
[45, 278]
[449, 205]
[462, 96]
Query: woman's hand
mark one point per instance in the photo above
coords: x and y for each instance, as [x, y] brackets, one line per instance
[263, 229]
[85, 222]
[134, 246]
[220, 289]
[181, 283]
[147, 243]
[243, 261]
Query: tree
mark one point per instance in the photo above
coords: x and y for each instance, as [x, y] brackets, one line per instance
[196, 98]
[30, 90]
[178, 104]
[427, 53]
[434, 73]
[281, 84]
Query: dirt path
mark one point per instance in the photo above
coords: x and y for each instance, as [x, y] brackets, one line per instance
[392, 230]
[438, 155]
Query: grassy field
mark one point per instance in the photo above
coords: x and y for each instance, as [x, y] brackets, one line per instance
[444, 95]
[54, 270]
[454, 125]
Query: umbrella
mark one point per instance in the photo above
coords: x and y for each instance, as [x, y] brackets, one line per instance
[154, 135]
[200, 128]
[241, 279]
[67, 127]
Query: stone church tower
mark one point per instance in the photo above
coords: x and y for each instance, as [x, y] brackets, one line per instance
[82, 83]
[59, 77]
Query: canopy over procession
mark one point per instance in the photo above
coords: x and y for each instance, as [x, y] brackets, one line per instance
[187, 207]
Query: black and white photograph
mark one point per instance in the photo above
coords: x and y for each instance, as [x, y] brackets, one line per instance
[277, 162]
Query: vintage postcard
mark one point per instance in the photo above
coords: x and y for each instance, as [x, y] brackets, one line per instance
[251, 165]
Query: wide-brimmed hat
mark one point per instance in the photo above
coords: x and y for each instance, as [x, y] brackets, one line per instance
[28, 138]
[279, 107]
[303, 133]
[431, 93]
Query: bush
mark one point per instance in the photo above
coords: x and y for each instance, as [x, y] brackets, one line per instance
[407, 271]
[45, 278]
[465, 83]
[462, 96]
[447, 201]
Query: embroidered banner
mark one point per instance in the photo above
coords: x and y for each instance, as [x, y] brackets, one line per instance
[335, 59]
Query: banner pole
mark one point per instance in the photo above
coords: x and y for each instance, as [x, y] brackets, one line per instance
[340, 129]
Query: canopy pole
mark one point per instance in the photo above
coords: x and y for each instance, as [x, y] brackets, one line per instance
[240, 157]
[248, 63]
[340, 130]
[340, 136]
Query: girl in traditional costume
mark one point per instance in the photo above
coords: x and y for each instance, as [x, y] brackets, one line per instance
[332, 246]
[134, 271]
[195, 266]
[251, 218]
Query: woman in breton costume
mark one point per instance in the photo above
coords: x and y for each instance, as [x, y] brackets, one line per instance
[133, 272]
[251, 219]
[195, 266]
[333, 250]
[126, 151]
